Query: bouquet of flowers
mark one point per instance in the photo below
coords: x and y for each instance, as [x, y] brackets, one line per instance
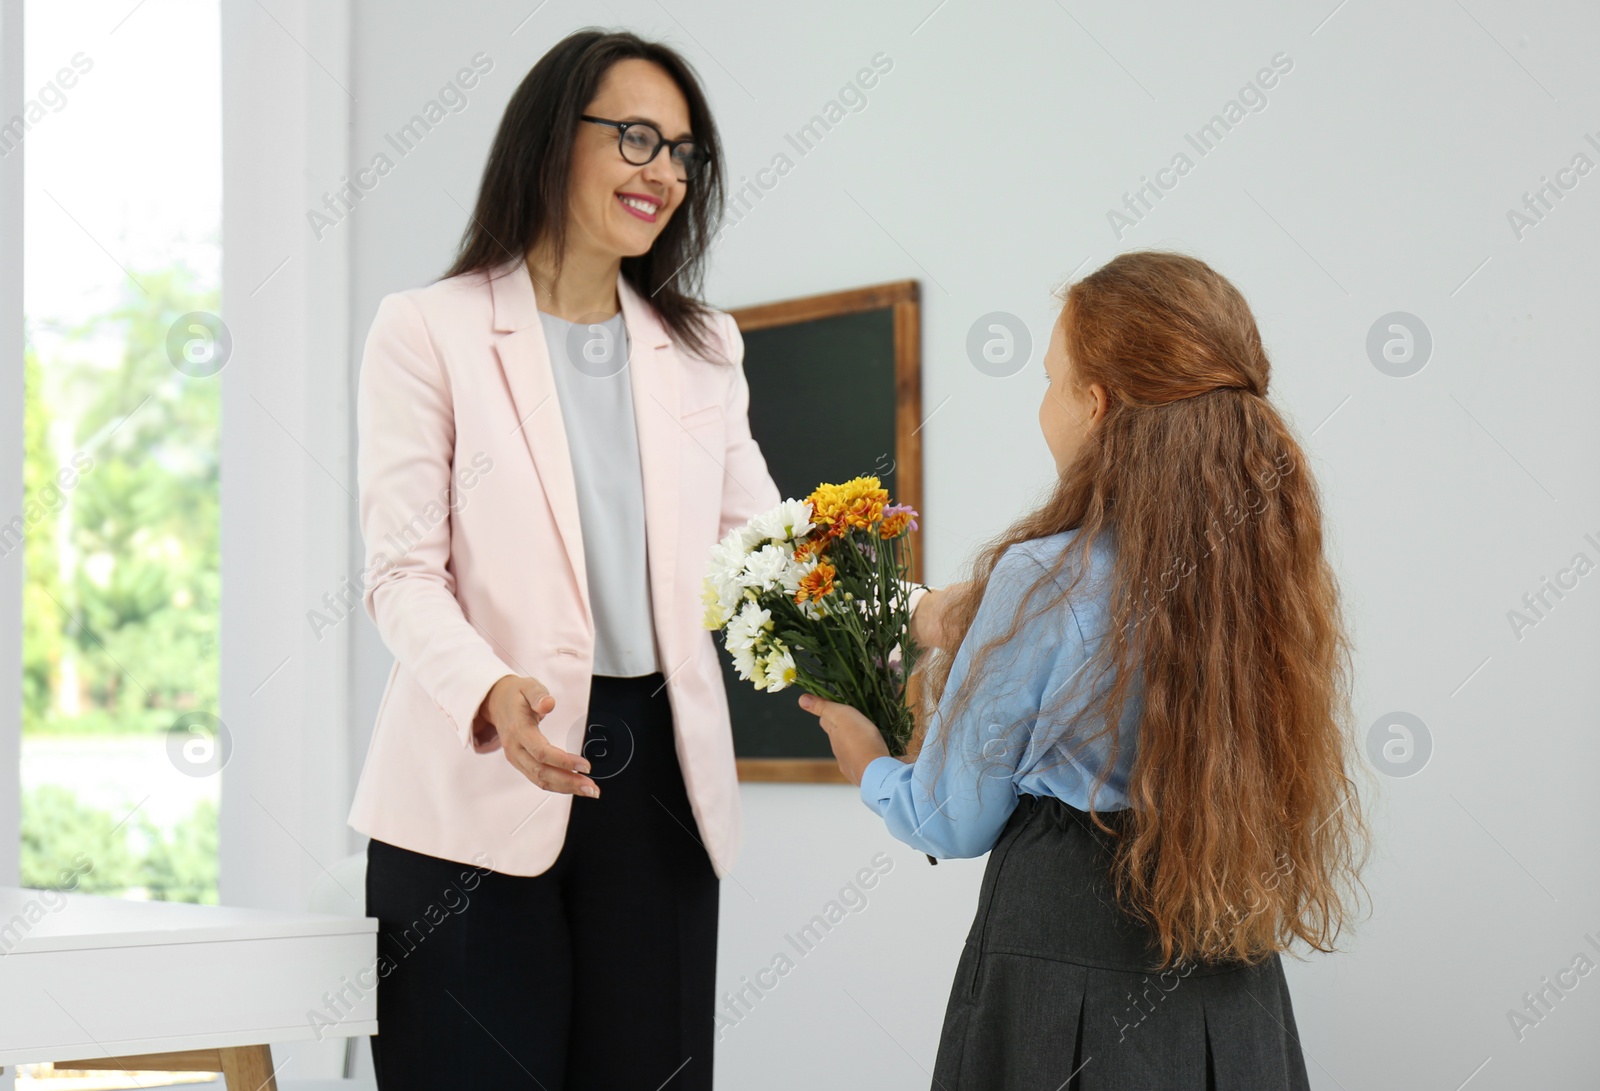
[812, 594]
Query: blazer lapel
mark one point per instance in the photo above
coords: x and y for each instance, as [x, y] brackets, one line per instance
[525, 359]
[653, 371]
[653, 376]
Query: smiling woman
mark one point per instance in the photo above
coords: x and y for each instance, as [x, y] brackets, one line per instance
[560, 182]
[550, 669]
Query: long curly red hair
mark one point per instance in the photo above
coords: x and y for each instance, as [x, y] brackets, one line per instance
[1245, 832]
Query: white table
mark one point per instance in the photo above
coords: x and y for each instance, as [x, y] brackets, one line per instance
[99, 983]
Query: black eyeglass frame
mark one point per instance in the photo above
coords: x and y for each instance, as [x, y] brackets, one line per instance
[701, 156]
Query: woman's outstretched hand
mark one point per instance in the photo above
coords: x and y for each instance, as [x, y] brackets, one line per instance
[854, 739]
[513, 709]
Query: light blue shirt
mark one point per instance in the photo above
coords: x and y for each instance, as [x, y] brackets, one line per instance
[998, 750]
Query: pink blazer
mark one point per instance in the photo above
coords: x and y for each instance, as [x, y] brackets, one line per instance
[475, 561]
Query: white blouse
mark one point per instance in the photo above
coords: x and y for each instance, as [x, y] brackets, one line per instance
[590, 366]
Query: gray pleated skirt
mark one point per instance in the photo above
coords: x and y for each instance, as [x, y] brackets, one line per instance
[1053, 990]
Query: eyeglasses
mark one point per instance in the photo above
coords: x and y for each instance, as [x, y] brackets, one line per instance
[639, 141]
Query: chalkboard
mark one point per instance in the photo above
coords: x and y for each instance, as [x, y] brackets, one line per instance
[835, 393]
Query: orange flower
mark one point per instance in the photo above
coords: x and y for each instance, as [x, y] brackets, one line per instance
[816, 583]
[895, 524]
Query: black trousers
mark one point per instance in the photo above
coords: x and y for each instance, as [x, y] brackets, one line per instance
[597, 975]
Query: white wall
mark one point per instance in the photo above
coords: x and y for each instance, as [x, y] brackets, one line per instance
[288, 481]
[1376, 179]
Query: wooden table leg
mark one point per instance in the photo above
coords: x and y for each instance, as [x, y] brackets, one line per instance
[243, 1068]
[248, 1068]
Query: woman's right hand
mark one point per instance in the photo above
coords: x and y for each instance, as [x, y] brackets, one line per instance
[513, 708]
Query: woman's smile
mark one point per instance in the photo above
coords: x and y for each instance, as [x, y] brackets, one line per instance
[641, 205]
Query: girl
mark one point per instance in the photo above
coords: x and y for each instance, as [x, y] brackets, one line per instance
[1143, 722]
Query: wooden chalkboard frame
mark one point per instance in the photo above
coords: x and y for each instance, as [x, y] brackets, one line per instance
[904, 299]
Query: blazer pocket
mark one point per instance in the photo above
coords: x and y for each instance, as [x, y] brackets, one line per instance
[707, 414]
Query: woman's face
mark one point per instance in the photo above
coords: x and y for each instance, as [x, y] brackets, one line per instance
[1068, 412]
[616, 209]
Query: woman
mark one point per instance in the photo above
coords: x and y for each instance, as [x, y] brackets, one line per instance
[552, 438]
[1145, 719]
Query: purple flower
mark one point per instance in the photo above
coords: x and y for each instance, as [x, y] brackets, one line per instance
[896, 509]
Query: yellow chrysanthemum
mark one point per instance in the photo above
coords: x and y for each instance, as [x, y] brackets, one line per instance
[858, 502]
[714, 617]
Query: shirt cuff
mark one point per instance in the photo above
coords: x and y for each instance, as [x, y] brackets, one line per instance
[913, 593]
[875, 791]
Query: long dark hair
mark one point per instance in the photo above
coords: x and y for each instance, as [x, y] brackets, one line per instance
[1246, 832]
[522, 200]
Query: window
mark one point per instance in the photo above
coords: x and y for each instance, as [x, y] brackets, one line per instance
[122, 263]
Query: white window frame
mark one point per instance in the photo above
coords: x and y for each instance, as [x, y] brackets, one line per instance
[11, 457]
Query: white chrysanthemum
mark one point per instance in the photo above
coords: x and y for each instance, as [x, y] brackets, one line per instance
[726, 595]
[745, 663]
[766, 568]
[747, 627]
[751, 560]
[777, 668]
[725, 569]
[726, 559]
[748, 536]
[786, 522]
[758, 672]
